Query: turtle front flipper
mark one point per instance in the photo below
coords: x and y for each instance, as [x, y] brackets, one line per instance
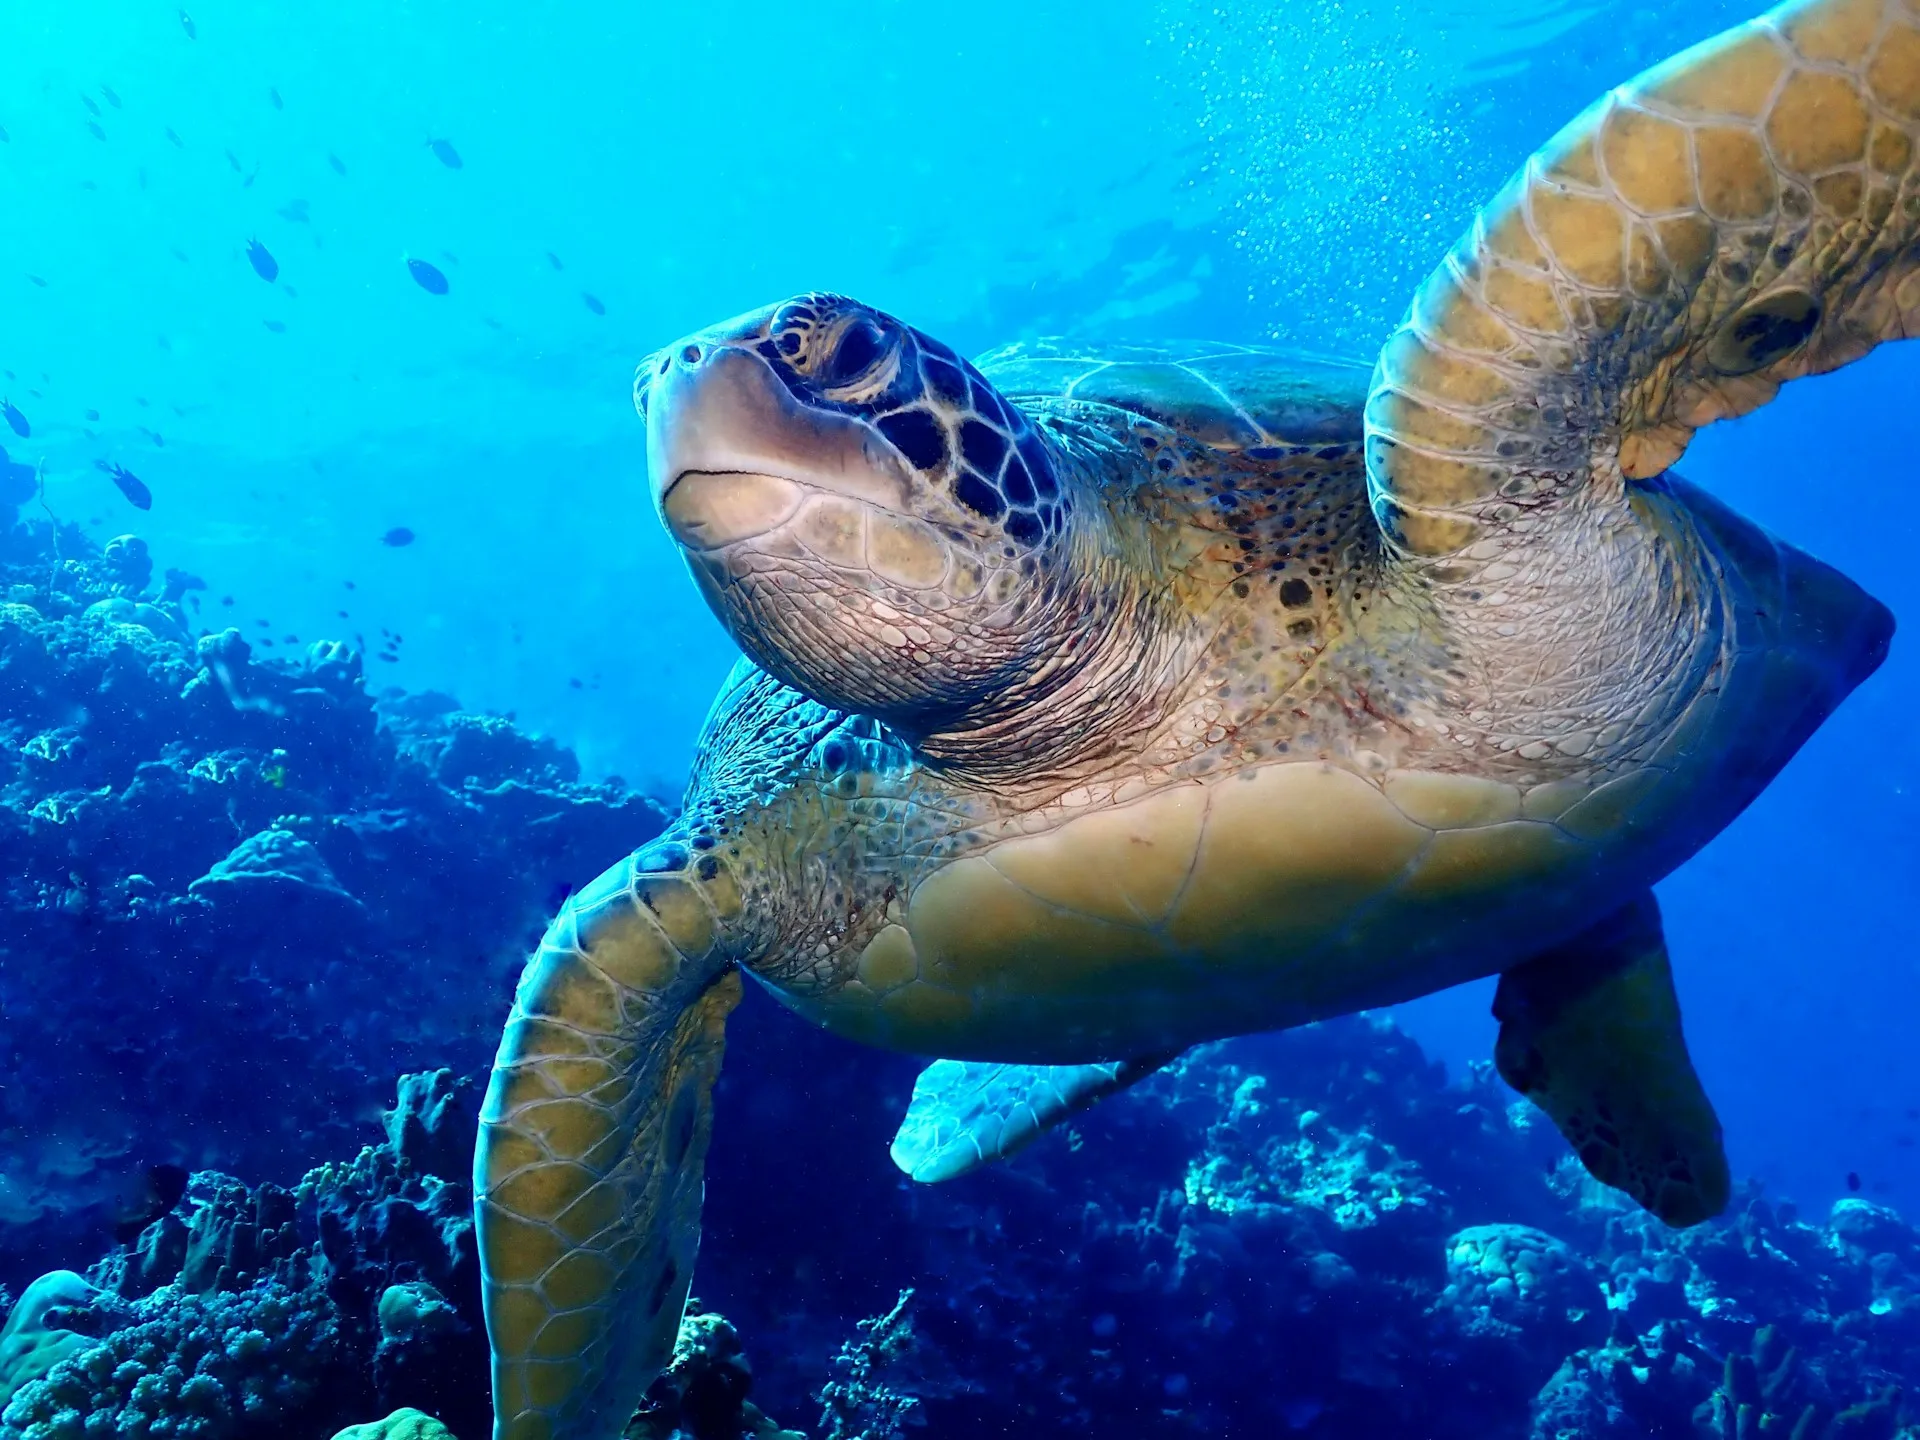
[964, 1114]
[1745, 214]
[593, 1141]
[1590, 1032]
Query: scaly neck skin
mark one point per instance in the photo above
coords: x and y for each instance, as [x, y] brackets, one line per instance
[1105, 673]
[1575, 629]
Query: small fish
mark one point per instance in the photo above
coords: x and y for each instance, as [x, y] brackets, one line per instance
[4, 137]
[427, 277]
[92, 109]
[177, 142]
[234, 161]
[112, 99]
[264, 265]
[38, 281]
[186, 24]
[576, 684]
[278, 327]
[399, 537]
[592, 302]
[291, 292]
[339, 165]
[180, 255]
[16, 422]
[128, 484]
[554, 260]
[296, 211]
[93, 129]
[157, 1190]
[274, 96]
[92, 414]
[444, 152]
[1853, 1181]
[155, 436]
[227, 600]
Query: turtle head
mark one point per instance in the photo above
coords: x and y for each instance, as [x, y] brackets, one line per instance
[874, 524]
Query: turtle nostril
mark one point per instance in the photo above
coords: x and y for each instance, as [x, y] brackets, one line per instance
[690, 355]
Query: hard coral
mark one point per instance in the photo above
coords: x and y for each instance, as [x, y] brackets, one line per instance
[198, 1367]
[400, 1425]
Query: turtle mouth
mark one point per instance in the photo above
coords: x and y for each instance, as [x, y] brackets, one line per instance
[712, 509]
[733, 452]
[732, 521]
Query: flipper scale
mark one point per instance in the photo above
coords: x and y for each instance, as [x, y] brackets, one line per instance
[593, 1139]
[965, 1113]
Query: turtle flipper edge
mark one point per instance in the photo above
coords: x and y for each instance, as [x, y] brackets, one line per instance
[1590, 1032]
[593, 1137]
[1745, 214]
[964, 1113]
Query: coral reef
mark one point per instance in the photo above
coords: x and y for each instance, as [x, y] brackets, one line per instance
[861, 1402]
[207, 850]
[1312, 1234]
[255, 1311]
[1207, 1256]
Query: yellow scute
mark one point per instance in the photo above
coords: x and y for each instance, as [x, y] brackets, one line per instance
[1289, 852]
[1124, 865]
[1444, 802]
[976, 930]
[1490, 857]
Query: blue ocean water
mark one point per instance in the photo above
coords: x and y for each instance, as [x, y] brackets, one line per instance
[211, 275]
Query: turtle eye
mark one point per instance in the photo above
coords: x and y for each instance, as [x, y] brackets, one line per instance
[861, 346]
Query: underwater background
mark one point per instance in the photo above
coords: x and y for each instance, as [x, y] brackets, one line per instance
[356, 292]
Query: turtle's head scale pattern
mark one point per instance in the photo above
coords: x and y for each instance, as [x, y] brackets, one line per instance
[865, 513]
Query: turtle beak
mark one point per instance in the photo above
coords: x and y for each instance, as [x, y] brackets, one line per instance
[732, 452]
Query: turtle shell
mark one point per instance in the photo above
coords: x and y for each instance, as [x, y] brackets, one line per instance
[1231, 397]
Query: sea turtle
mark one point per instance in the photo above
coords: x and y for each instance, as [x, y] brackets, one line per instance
[1101, 704]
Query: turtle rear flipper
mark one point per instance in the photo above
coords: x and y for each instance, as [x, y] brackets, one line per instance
[593, 1142]
[965, 1114]
[1745, 214]
[1590, 1032]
